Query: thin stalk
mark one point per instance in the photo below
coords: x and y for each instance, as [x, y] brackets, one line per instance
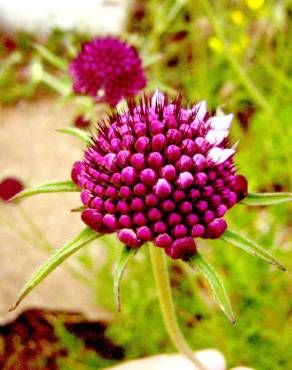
[12, 225]
[167, 306]
[36, 230]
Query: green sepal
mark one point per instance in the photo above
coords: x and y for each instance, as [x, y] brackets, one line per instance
[78, 209]
[266, 199]
[81, 134]
[250, 247]
[127, 254]
[56, 258]
[53, 187]
[199, 263]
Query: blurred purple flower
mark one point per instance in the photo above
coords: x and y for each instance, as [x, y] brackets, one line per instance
[81, 122]
[160, 172]
[107, 69]
[9, 187]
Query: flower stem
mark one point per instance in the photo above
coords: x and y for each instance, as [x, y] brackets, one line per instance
[167, 306]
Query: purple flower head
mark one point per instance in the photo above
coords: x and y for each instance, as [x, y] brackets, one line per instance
[107, 69]
[160, 172]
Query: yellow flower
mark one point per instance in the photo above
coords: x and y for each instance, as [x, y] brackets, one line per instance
[244, 41]
[215, 44]
[237, 17]
[240, 45]
[255, 4]
[235, 48]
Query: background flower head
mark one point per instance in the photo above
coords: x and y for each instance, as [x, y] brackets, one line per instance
[9, 187]
[107, 69]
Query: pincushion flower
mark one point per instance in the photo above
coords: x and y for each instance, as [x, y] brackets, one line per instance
[160, 172]
[107, 69]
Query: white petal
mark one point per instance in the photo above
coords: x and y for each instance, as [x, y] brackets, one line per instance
[157, 98]
[234, 146]
[200, 109]
[216, 137]
[221, 122]
[219, 155]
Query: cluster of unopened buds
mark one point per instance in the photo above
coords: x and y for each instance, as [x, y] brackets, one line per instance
[160, 172]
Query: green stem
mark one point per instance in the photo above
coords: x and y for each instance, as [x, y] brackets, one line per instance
[167, 306]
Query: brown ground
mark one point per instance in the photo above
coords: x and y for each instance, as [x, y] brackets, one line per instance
[31, 150]
[32, 342]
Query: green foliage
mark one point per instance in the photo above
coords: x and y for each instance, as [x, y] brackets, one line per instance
[78, 357]
[253, 287]
[17, 62]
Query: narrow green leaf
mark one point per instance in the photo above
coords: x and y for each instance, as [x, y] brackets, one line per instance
[52, 58]
[199, 263]
[266, 199]
[76, 132]
[53, 187]
[58, 256]
[250, 247]
[127, 254]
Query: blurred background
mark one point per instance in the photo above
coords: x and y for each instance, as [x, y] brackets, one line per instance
[236, 54]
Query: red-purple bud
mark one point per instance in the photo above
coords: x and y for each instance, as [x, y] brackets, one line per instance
[163, 188]
[215, 228]
[182, 248]
[240, 187]
[129, 237]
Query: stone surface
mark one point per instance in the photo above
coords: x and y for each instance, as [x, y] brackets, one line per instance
[94, 17]
[212, 359]
[32, 150]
